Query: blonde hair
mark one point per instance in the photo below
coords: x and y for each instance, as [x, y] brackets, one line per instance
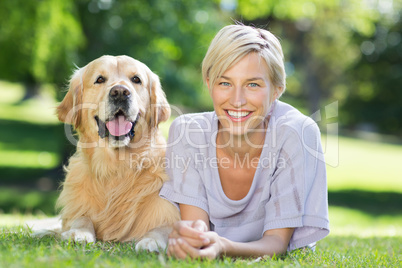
[233, 42]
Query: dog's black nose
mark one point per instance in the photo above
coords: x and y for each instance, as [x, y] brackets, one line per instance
[119, 93]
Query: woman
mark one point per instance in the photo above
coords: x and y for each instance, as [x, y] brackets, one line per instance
[248, 178]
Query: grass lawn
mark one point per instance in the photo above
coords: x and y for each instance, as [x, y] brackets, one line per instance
[358, 239]
[364, 180]
[19, 249]
[364, 165]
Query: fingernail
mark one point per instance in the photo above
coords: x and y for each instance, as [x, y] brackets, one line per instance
[204, 239]
[179, 241]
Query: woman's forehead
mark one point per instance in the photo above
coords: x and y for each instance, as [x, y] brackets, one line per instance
[250, 65]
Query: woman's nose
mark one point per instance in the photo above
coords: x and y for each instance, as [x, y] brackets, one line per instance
[238, 99]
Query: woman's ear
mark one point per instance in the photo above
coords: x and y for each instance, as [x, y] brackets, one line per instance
[277, 92]
[69, 110]
[160, 109]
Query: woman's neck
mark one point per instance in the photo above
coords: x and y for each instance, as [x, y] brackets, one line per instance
[241, 145]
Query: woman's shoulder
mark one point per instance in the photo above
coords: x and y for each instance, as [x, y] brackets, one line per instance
[193, 127]
[287, 116]
[194, 120]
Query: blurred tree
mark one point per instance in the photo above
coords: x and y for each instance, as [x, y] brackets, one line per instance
[171, 37]
[375, 101]
[38, 40]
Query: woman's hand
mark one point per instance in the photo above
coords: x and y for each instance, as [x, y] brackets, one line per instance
[191, 239]
[213, 250]
[191, 231]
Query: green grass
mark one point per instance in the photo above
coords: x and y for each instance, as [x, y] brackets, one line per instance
[27, 201]
[32, 142]
[357, 239]
[364, 165]
[29, 159]
[19, 249]
[354, 222]
[39, 110]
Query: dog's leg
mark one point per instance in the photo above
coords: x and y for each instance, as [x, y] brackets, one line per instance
[81, 230]
[154, 240]
[43, 227]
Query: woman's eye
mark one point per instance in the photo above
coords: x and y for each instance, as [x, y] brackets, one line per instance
[100, 80]
[225, 84]
[136, 80]
[253, 85]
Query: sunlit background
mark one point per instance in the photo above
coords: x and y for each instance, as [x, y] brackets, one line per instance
[343, 62]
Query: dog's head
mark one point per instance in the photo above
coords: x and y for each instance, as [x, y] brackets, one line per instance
[113, 98]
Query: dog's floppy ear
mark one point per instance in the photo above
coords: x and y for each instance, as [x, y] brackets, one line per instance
[69, 110]
[160, 109]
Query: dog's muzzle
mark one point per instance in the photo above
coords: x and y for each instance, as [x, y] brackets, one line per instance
[118, 126]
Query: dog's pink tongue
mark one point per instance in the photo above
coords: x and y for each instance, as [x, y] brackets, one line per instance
[119, 126]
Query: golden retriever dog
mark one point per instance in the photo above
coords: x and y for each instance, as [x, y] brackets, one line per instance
[111, 190]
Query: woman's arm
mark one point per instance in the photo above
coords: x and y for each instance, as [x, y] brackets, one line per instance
[192, 213]
[274, 241]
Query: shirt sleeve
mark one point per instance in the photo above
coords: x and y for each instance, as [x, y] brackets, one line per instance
[185, 185]
[298, 190]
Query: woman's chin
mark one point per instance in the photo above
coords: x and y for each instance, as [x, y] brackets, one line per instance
[238, 131]
[247, 128]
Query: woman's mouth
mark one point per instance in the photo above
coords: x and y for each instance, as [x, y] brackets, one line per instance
[238, 116]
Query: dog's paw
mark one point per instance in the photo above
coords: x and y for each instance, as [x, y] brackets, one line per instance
[79, 236]
[150, 244]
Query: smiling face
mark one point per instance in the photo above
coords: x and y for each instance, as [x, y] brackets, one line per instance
[115, 99]
[243, 95]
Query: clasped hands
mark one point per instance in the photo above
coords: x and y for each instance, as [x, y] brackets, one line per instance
[192, 239]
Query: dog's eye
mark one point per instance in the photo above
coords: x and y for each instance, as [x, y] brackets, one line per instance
[135, 79]
[100, 80]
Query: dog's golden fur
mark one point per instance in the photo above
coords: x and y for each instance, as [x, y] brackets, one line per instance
[114, 184]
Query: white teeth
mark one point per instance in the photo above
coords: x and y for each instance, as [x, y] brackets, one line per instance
[238, 114]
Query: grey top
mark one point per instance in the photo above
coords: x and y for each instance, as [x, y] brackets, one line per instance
[289, 189]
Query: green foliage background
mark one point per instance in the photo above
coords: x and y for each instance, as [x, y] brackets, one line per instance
[39, 40]
[345, 51]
